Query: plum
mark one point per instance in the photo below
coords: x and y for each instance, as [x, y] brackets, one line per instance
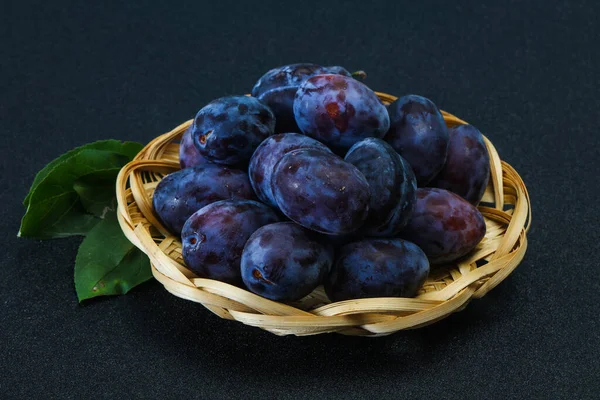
[278, 87]
[377, 268]
[419, 134]
[180, 194]
[189, 156]
[339, 111]
[467, 168]
[320, 191]
[229, 129]
[285, 262]
[392, 184]
[444, 225]
[213, 238]
[268, 154]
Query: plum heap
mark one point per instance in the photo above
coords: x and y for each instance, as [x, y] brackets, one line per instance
[313, 181]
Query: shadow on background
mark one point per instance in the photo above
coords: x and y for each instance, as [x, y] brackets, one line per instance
[203, 340]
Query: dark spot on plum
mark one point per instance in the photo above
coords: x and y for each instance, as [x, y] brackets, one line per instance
[413, 107]
[242, 109]
[306, 261]
[308, 208]
[227, 219]
[240, 142]
[221, 117]
[237, 252]
[212, 258]
[323, 122]
[350, 110]
[435, 201]
[470, 142]
[333, 109]
[340, 120]
[259, 177]
[455, 224]
[266, 239]
[339, 82]
[373, 122]
[264, 116]
[276, 272]
[476, 233]
[379, 268]
[258, 130]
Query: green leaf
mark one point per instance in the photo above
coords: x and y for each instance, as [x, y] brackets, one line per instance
[107, 263]
[64, 198]
[128, 149]
[96, 192]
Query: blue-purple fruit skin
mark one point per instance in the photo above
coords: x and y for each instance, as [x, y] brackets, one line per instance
[213, 238]
[229, 129]
[181, 193]
[336, 69]
[320, 191]
[339, 111]
[467, 168]
[285, 262]
[419, 134]
[392, 184]
[189, 156]
[444, 225]
[377, 268]
[278, 87]
[268, 154]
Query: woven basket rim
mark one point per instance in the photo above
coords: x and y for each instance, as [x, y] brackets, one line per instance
[506, 208]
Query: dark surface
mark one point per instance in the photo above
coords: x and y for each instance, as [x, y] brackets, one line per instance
[525, 73]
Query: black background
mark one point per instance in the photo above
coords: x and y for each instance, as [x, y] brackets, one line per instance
[524, 72]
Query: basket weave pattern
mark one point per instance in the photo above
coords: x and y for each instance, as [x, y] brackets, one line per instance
[505, 207]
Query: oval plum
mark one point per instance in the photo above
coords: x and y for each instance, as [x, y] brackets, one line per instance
[320, 191]
[213, 238]
[377, 268]
[229, 129]
[339, 111]
[419, 134]
[285, 262]
[467, 168]
[444, 225]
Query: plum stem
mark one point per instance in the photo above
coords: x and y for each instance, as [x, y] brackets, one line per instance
[361, 75]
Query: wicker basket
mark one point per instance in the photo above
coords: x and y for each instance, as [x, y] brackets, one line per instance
[505, 206]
